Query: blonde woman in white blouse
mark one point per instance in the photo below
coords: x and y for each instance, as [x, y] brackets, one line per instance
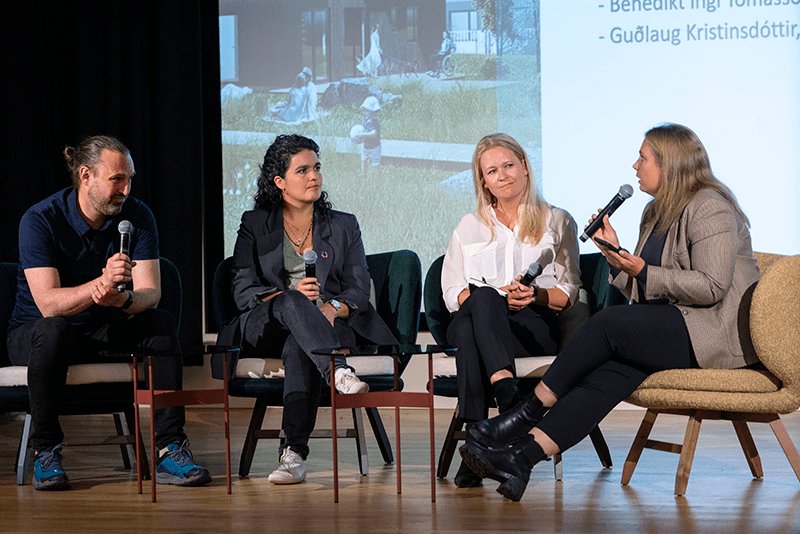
[489, 251]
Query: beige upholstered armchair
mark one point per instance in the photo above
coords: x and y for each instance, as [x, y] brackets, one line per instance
[736, 395]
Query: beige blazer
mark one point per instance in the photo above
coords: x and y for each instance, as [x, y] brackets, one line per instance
[708, 271]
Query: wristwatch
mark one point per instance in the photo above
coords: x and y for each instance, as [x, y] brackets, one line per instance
[127, 302]
[336, 306]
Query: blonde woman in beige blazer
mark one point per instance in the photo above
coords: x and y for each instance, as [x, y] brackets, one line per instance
[687, 278]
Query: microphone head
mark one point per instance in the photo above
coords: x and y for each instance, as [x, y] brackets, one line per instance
[626, 191]
[535, 269]
[125, 227]
[309, 256]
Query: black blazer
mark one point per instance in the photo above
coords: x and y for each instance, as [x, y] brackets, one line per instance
[341, 271]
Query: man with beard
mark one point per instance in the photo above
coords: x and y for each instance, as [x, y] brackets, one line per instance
[79, 297]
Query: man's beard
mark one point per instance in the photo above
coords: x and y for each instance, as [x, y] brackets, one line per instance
[107, 208]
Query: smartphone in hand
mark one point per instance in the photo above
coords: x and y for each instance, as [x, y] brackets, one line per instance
[608, 245]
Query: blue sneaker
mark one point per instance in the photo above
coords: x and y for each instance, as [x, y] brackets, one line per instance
[47, 471]
[177, 467]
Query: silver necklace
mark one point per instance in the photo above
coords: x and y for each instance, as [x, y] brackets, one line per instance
[298, 243]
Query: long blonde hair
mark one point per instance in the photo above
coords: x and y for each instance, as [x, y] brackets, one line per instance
[533, 208]
[685, 170]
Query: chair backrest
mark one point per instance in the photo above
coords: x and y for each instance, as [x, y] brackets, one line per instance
[766, 259]
[397, 277]
[775, 323]
[171, 297]
[436, 315]
[223, 307]
[171, 290]
[8, 293]
[594, 275]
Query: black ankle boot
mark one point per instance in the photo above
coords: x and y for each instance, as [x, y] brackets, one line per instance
[466, 477]
[508, 427]
[510, 466]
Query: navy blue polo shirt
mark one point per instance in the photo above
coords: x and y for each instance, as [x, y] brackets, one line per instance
[52, 233]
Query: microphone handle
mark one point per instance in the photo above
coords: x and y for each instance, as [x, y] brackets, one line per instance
[124, 245]
[610, 208]
[527, 280]
[311, 270]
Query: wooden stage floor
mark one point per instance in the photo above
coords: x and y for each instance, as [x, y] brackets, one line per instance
[722, 495]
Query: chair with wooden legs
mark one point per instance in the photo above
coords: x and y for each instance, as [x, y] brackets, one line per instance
[740, 396]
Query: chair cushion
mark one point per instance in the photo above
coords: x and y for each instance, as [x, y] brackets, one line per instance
[531, 367]
[713, 380]
[271, 391]
[372, 365]
[94, 373]
[273, 367]
[731, 390]
[259, 368]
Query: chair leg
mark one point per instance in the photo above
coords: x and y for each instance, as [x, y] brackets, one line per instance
[558, 467]
[380, 435]
[361, 442]
[449, 445]
[749, 448]
[638, 445]
[249, 448]
[601, 447]
[786, 444]
[128, 457]
[130, 422]
[24, 453]
[687, 452]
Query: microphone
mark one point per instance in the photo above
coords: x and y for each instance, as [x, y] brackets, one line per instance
[125, 230]
[625, 192]
[534, 270]
[310, 257]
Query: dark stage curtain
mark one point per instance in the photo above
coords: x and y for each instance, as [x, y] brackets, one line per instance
[144, 71]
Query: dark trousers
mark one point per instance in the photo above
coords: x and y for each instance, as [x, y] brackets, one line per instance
[606, 361]
[291, 326]
[435, 61]
[48, 346]
[489, 336]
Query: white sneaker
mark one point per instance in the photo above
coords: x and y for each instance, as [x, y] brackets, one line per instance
[347, 382]
[290, 469]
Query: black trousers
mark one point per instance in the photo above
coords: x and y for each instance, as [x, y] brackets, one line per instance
[435, 61]
[489, 336]
[606, 361]
[48, 346]
[290, 327]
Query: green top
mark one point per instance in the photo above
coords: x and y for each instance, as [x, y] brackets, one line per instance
[294, 266]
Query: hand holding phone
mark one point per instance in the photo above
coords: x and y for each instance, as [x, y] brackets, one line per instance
[608, 245]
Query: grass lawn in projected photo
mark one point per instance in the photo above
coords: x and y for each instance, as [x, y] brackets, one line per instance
[417, 202]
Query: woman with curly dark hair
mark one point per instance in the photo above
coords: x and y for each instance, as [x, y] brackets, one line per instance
[285, 312]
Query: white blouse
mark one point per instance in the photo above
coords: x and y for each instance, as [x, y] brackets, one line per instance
[471, 255]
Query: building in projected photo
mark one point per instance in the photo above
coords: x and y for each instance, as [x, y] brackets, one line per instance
[334, 37]
[519, 32]
[312, 66]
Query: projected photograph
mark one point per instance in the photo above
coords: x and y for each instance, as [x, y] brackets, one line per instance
[396, 93]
